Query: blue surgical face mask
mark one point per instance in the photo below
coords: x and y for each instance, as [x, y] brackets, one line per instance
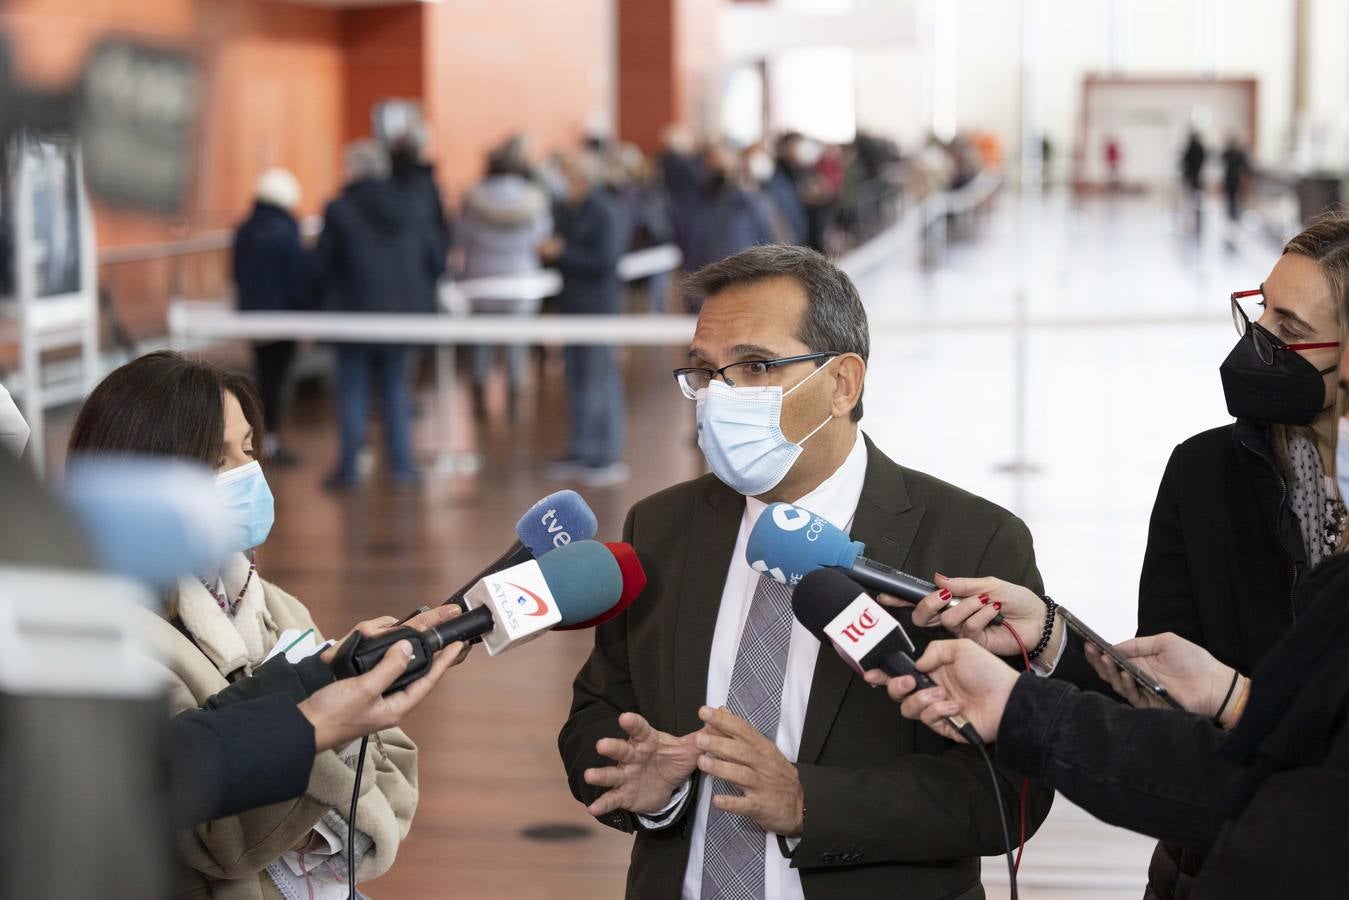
[740, 433]
[246, 501]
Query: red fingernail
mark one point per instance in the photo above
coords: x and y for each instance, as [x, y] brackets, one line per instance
[997, 606]
[983, 599]
[945, 594]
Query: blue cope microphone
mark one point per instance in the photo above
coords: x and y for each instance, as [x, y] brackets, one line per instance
[789, 542]
[557, 520]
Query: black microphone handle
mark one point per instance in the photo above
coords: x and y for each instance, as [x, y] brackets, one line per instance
[517, 554]
[897, 663]
[472, 624]
[360, 653]
[879, 577]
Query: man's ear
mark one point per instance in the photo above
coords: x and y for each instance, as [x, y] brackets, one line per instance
[849, 374]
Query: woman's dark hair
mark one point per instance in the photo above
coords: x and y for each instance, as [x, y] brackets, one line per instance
[164, 404]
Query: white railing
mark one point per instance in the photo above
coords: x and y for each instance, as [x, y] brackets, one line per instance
[192, 321]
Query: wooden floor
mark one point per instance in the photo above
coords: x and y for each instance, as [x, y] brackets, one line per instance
[489, 767]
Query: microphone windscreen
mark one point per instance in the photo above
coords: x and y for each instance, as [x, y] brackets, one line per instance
[584, 579]
[789, 541]
[153, 519]
[634, 582]
[821, 596]
[555, 521]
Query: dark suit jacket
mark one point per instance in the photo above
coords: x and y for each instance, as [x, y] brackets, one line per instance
[892, 810]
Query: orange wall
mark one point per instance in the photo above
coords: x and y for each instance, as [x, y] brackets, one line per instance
[272, 95]
[383, 50]
[275, 98]
[647, 91]
[497, 67]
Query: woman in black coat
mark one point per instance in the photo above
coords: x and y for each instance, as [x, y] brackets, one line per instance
[1262, 797]
[1243, 511]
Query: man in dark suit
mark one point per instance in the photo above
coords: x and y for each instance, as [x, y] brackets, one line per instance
[750, 764]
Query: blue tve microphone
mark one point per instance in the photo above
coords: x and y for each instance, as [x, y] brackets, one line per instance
[789, 542]
[555, 521]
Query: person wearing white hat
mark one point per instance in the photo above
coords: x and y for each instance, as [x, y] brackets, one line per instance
[272, 273]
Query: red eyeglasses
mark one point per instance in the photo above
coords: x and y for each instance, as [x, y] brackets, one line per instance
[1266, 342]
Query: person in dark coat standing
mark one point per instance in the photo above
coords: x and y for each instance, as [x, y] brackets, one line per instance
[271, 274]
[682, 173]
[417, 179]
[374, 255]
[1235, 166]
[1192, 176]
[790, 225]
[592, 233]
[728, 217]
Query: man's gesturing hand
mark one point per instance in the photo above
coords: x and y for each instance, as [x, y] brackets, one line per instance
[736, 753]
[649, 765]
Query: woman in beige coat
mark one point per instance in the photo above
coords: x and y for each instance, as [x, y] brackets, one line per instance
[221, 625]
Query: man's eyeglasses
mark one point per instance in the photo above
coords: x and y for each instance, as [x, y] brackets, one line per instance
[1266, 343]
[753, 373]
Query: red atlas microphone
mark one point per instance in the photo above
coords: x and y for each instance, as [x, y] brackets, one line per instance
[634, 582]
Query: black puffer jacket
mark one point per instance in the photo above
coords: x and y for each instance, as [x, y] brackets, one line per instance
[1223, 561]
[375, 253]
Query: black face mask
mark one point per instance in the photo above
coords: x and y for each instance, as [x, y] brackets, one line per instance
[1289, 392]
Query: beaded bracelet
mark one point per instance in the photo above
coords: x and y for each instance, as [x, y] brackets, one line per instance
[1048, 633]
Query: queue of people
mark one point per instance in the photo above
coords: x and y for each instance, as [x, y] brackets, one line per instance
[382, 249]
[387, 240]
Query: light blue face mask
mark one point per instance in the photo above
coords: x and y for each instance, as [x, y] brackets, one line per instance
[246, 501]
[740, 433]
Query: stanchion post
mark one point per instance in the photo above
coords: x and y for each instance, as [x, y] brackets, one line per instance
[1020, 463]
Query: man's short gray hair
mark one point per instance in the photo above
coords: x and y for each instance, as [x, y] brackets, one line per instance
[365, 159]
[835, 318]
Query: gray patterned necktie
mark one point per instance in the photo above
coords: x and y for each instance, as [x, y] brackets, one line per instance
[733, 847]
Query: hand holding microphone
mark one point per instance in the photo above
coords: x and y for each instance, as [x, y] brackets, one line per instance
[788, 542]
[577, 584]
[351, 708]
[970, 608]
[962, 680]
[837, 611]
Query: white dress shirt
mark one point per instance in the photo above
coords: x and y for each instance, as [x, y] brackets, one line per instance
[835, 500]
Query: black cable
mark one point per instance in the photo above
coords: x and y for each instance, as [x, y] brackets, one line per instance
[1002, 815]
[351, 821]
